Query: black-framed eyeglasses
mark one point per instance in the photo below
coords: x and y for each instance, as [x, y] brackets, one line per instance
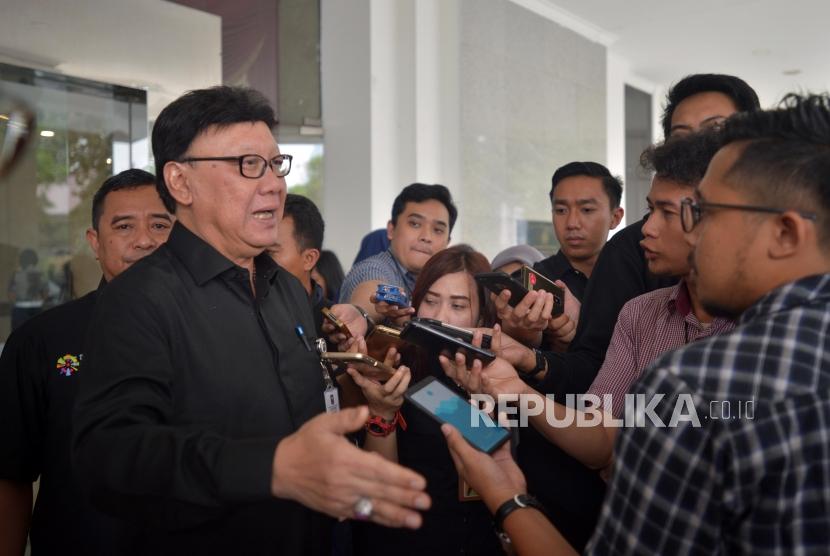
[691, 211]
[252, 165]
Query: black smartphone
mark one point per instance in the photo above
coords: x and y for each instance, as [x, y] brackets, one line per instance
[445, 406]
[534, 280]
[498, 281]
[438, 341]
[457, 331]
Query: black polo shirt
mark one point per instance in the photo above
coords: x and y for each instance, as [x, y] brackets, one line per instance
[558, 267]
[191, 382]
[40, 368]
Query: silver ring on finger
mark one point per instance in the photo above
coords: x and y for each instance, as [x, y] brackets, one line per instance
[363, 508]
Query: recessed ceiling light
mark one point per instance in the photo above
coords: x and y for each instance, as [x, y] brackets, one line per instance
[47, 133]
[109, 161]
[791, 72]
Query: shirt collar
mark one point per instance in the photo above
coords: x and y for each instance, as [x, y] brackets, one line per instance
[679, 299]
[204, 262]
[317, 295]
[560, 265]
[807, 290]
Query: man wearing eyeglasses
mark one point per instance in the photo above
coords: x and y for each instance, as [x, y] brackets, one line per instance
[752, 476]
[745, 469]
[198, 419]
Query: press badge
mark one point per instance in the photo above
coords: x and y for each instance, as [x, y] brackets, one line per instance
[332, 398]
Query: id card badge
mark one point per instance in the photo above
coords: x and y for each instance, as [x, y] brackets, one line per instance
[332, 399]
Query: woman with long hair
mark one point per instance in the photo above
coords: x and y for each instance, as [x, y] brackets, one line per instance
[458, 522]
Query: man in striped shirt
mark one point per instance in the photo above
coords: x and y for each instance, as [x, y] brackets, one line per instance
[667, 318]
[757, 481]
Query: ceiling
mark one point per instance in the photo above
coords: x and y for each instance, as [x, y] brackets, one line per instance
[765, 42]
[775, 46]
[126, 42]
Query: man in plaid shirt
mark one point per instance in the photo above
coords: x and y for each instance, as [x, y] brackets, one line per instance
[754, 476]
[735, 457]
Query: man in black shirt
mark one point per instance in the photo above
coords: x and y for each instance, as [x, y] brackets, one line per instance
[298, 246]
[196, 418]
[620, 274]
[585, 203]
[39, 371]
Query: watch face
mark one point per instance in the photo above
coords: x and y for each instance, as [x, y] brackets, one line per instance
[375, 428]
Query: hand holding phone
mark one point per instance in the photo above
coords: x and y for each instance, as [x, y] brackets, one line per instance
[497, 282]
[534, 280]
[391, 295]
[445, 406]
[438, 341]
[366, 365]
[338, 324]
[380, 339]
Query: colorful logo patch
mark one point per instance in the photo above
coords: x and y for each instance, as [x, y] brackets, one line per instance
[68, 365]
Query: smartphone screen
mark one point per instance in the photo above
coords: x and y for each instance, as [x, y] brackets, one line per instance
[432, 396]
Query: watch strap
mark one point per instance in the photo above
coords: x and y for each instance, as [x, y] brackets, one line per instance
[518, 502]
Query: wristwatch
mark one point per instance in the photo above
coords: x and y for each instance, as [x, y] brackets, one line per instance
[370, 324]
[541, 363]
[518, 502]
[378, 426]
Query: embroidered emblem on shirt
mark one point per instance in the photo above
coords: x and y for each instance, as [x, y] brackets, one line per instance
[68, 365]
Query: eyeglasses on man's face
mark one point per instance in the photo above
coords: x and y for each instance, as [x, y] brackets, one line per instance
[252, 165]
[691, 211]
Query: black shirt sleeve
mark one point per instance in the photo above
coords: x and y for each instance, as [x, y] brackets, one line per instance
[619, 275]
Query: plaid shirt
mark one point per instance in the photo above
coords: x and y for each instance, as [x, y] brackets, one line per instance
[751, 484]
[648, 326]
[382, 267]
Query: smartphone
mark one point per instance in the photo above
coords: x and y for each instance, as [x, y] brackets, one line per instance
[381, 338]
[391, 295]
[457, 331]
[438, 341]
[445, 406]
[338, 324]
[366, 365]
[498, 281]
[534, 280]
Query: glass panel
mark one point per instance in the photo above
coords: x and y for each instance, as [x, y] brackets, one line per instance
[306, 177]
[84, 132]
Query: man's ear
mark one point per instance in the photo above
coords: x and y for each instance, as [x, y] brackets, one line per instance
[390, 230]
[92, 240]
[177, 183]
[790, 235]
[616, 217]
[310, 258]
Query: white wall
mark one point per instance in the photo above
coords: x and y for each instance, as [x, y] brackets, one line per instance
[619, 75]
[487, 97]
